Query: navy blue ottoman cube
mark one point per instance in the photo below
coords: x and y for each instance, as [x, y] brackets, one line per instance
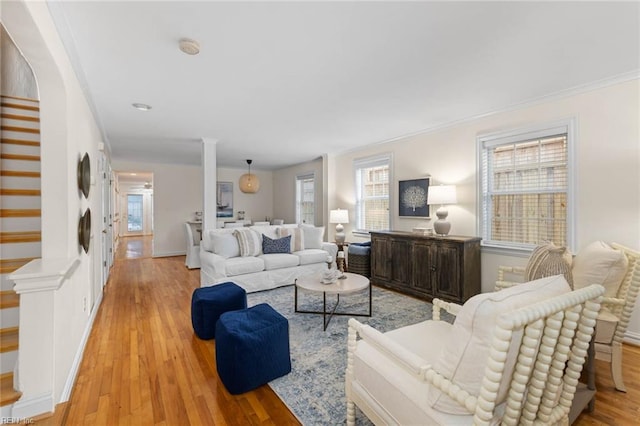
[208, 303]
[252, 348]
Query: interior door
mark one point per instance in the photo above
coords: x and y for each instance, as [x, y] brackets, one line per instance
[135, 214]
[107, 220]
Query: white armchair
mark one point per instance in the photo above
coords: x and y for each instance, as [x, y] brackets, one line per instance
[618, 303]
[193, 250]
[512, 356]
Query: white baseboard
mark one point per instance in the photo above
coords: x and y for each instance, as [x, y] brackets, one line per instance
[71, 378]
[632, 338]
[29, 408]
[170, 254]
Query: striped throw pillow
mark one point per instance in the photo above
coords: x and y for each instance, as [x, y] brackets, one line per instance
[249, 242]
[297, 237]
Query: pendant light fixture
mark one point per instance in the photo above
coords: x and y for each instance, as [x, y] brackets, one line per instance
[249, 183]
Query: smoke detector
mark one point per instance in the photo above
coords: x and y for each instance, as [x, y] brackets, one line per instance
[188, 46]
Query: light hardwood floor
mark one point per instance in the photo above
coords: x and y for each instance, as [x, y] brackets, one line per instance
[144, 366]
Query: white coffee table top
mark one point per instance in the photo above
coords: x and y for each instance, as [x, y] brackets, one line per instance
[351, 284]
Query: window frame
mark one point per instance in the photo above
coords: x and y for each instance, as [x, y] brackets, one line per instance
[523, 135]
[300, 178]
[368, 162]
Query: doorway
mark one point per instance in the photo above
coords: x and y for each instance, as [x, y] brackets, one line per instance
[135, 215]
[135, 194]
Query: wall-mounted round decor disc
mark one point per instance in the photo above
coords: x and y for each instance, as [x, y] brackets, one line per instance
[84, 175]
[84, 230]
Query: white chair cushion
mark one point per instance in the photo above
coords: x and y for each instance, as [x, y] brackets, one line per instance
[297, 237]
[249, 241]
[243, 265]
[599, 263]
[312, 236]
[403, 395]
[278, 260]
[310, 256]
[464, 354]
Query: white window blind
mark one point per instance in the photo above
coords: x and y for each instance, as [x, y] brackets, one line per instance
[373, 177]
[525, 188]
[305, 198]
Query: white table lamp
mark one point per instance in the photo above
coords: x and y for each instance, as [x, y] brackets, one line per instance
[339, 216]
[442, 194]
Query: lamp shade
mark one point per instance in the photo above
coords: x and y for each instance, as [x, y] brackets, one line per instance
[339, 216]
[442, 194]
[249, 183]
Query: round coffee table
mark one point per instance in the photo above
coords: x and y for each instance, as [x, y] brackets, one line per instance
[352, 283]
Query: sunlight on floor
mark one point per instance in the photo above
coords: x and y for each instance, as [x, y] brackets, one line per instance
[135, 247]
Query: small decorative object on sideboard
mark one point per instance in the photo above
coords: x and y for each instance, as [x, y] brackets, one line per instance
[423, 231]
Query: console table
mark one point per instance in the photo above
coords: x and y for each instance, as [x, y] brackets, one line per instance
[426, 266]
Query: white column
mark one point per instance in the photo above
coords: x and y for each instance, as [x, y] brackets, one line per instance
[209, 180]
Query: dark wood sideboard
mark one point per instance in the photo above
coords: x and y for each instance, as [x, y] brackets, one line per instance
[426, 266]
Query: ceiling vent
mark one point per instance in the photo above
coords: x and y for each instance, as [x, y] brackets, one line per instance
[188, 46]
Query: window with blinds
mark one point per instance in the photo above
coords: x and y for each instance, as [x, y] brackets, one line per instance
[525, 188]
[373, 179]
[305, 198]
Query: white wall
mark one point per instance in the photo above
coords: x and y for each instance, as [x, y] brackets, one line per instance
[284, 199]
[255, 206]
[177, 195]
[16, 78]
[607, 169]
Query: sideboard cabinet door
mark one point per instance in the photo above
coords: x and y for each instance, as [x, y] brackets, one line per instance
[380, 258]
[426, 266]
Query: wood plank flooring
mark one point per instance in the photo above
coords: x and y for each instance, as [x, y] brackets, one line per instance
[144, 366]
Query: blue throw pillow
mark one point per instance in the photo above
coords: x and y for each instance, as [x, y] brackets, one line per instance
[280, 245]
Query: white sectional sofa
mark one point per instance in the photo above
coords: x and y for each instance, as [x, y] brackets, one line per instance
[237, 255]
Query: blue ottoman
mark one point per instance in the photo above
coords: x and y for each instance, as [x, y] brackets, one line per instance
[252, 347]
[208, 303]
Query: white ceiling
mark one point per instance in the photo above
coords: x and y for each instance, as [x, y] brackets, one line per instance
[286, 82]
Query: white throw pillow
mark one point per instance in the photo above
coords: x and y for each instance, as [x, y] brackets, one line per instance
[249, 241]
[268, 230]
[312, 236]
[599, 263]
[297, 237]
[464, 356]
[225, 244]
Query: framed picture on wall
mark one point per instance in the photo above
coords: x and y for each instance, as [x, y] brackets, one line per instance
[412, 198]
[224, 199]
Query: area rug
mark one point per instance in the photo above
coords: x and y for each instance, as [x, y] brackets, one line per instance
[314, 390]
